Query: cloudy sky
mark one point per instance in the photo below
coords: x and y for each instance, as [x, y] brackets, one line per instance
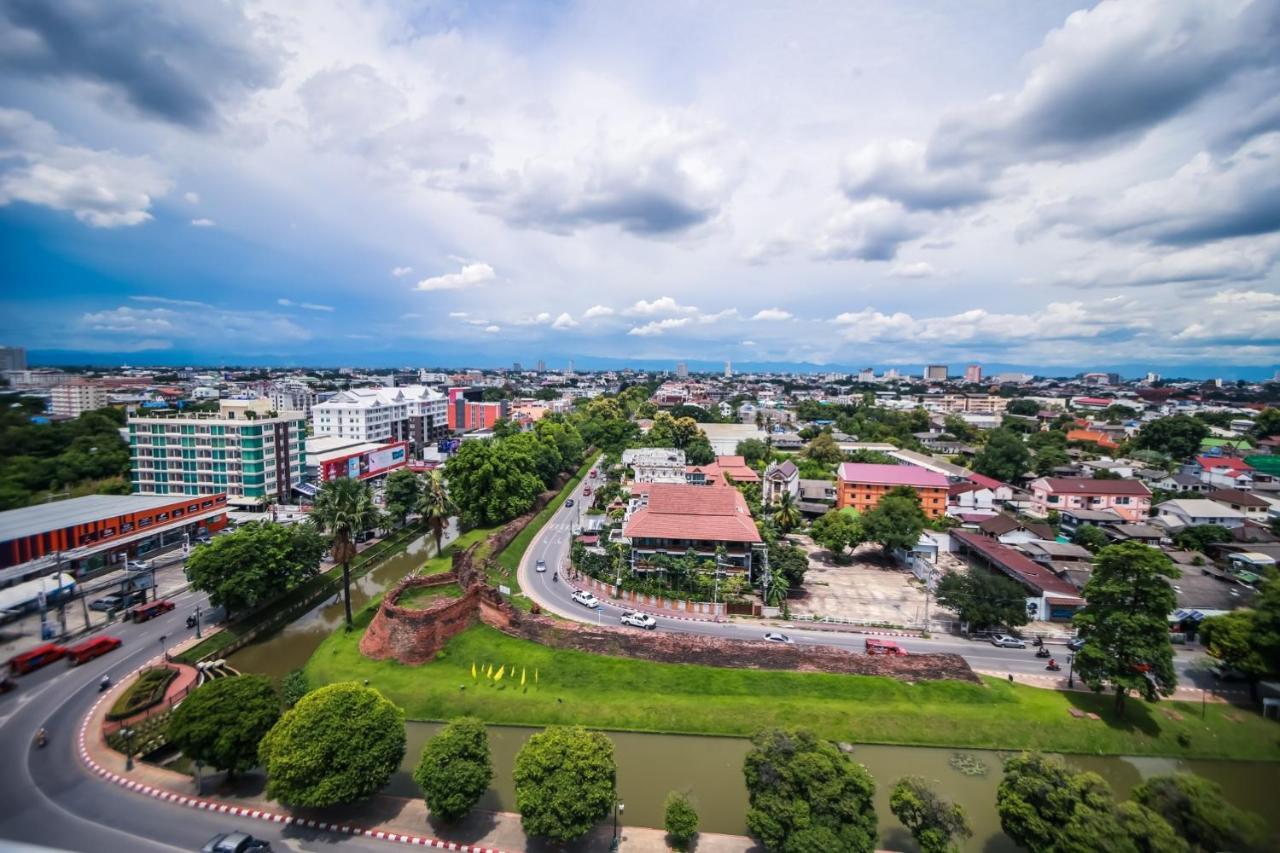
[1047, 183]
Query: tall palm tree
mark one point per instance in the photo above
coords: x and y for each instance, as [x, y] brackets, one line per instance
[344, 509]
[787, 515]
[436, 507]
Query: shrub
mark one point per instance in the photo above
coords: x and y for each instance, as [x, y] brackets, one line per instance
[564, 782]
[148, 691]
[222, 722]
[455, 769]
[681, 819]
[294, 687]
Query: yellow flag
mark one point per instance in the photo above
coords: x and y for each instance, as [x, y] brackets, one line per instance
[535, 676]
[473, 670]
[501, 670]
[489, 674]
[523, 672]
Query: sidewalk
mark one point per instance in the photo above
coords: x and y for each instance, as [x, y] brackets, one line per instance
[1059, 682]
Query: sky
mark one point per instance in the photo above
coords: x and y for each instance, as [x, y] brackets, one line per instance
[1049, 184]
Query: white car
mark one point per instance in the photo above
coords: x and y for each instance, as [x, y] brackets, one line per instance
[541, 566]
[138, 566]
[639, 620]
[777, 637]
[1005, 641]
[586, 599]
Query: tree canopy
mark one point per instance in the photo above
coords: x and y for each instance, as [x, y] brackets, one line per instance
[401, 493]
[339, 744]
[1201, 536]
[896, 522]
[1004, 457]
[1090, 536]
[222, 722]
[806, 796]
[839, 531]
[489, 484]
[1177, 436]
[680, 818]
[983, 599]
[56, 455]
[1198, 813]
[564, 782]
[455, 768]
[753, 450]
[344, 510]
[823, 448]
[436, 507]
[255, 562]
[936, 825]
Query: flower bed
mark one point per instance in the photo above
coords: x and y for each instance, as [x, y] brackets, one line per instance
[147, 692]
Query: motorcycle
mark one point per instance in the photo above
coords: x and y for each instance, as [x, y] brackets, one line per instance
[1042, 653]
[105, 684]
[191, 621]
[555, 577]
[1038, 642]
[1053, 666]
[41, 739]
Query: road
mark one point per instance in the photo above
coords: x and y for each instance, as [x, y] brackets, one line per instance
[552, 546]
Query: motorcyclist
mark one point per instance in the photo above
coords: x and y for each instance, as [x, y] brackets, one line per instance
[1053, 665]
[1042, 652]
[555, 576]
[42, 737]
[105, 683]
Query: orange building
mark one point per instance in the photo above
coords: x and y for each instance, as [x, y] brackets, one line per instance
[1099, 438]
[862, 485]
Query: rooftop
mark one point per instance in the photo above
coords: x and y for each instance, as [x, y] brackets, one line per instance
[1089, 486]
[1200, 508]
[891, 475]
[42, 518]
[707, 513]
[1016, 564]
[1235, 496]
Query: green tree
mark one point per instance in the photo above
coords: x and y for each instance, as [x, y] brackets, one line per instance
[1177, 436]
[699, 451]
[222, 722]
[1231, 639]
[1201, 536]
[490, 485]
[1125, 621]
[1047, 807]
[1267, 423]
[1146, 830]
[983, 599]
[788, 564]
[294, 687]
[680, 819]
[1196, 810]
[824, 449]
[753, 450]
[1090, 536]
[839, 531]
[401, 493]
[255, 562]
[455, 769]
[543, 453]
[344, 510]
[1029, 408]
[786, 514]
[564, 782]
[566, 438]
[896, 522]
[1049, 458]
[436, 507]
[338, 745]
[936, 825]
[805, 795]
[1004, 457]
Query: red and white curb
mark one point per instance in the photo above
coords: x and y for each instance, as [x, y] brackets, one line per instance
[257, 814]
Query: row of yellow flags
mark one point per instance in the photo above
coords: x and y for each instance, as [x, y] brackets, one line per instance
[496, 677]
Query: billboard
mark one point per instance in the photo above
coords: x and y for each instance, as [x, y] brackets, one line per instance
[370, 463]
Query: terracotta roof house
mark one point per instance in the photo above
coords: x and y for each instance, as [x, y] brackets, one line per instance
[862, 485]
[1129, 498]
[737, 469]
[672, 519]
[1101, 439]
[1049, 597]
[1227, 471]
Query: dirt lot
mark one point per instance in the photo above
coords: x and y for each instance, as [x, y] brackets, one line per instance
[870, 589]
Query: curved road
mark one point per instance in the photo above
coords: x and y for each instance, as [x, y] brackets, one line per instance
[552, 546]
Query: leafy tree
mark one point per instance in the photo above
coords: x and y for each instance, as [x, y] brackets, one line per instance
[1146, 830]
[222, 722]
[839, 531]
[936, 825]
[436, 507]
[1090, 536]
[699, 451]
[983, 599]
[606, 425]
[824, 449]
[455, 769]
[1004, 457]
[804, 794]
[680, 819]
[668, 431]
[1125, 621]
[339, 744]
[344, 509]
[1196, 810]
[566, 438]
[255, 562]
[490, 485]
[1029, 408]
[958, 427]
[1047, 807]
[786, 514]
[870, 457]
[1201, 536]
[401, 493]
[564, 778]
[1177, 436]
[1231, 640]
[1267, 423]
[505, 428]
[896, 522]
[294, 687]
[753, 450]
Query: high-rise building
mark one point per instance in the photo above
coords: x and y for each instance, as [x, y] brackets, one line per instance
[292, 396]
[1152, 378]
[935, 373]
[542, 366]
[238, 450]
[413, 413]
[728, 369]
[973, 373]
[466, 414]
[74, 398]
[682, 370]
[570, 370]
[515, 367]
[13, 358]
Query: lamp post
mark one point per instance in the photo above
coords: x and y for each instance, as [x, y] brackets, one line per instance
[128, 749]
[618, 808]
[1071, 670]
[164, 648]
[197, 621]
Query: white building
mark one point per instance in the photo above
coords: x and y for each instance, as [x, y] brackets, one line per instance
[238, 450]
[75, 398]
[413, 413]
[1192, 512]
[655, 464]
[292, 396]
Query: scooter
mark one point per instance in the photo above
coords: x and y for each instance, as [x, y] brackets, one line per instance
[1053, 666]
[41, 739]
[555, 577]
[192, 620]
[1042, 653]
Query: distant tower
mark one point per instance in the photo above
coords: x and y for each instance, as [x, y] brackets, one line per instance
[728, 369]
[542, 366]
[570, 367]
[935, 373]
[973, 373]
[682, 370]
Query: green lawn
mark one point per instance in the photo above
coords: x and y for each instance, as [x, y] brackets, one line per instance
[623, 694]
[421, 597]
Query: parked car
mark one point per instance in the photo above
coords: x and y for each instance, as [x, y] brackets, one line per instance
[540, 566]
[92, 648]
[586, 599]
[236, 842]
[138, 566]
[639, 620]
[118, 600]
[1076, 645]
[777, 637]
[1006, 641]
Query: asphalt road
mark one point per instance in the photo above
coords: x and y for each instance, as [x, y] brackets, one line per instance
[552, 546]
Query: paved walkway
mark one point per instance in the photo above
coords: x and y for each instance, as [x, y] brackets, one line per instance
[1059, 682]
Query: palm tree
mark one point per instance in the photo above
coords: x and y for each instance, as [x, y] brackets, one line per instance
[436, 507]
[344, 509]
[787, 515]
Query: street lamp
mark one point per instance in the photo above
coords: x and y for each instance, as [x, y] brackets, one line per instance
[164, 648]
[618, 809]
[197, 621]
[1071, 673]
[128, 749]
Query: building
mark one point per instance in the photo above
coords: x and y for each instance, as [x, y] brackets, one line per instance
[1048, 597]
[973, 373]
[245, 449]
[1193, 512]
[935, 373]
[682, 370]
[413, 413]
[674, 519]
[862, 485]
[13, 358]
[73, 399]
[292, 397]
[1227, 472]
[655, 464]
[728, 369]
[1131, 499]
[85, 535]
[1253, 507]
[363, 461]
[467, 411]
[780, 479]
[970, 404]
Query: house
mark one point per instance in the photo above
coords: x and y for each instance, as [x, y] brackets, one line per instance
[1051, 551]
[667, 518]
[736, 469]
[1189, 483]
[862, 485]
[1147, 534]
[1122, 468]
[965, 499]
[655, 464]
[779, 479]
[1048, 597]
[1193, 512]
[1010, 531]
[1000, 492]
[1253, 507]
[1130, 499]
[1223, 471]
[1089, 436]
[817, 497]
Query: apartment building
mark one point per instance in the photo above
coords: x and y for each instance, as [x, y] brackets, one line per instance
[467, 415]
[74, 398]
[655, 464]
[245, 449]
[292, 396]
[413, 413]
[861, 486]
[971, 404]
[1130, 499]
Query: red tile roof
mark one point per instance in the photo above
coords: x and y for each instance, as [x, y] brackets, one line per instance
[987, 482]
[1208, 463]
[737, 469]
[891, 475]
[1017, 564]
[1089, 486]
[710, 513]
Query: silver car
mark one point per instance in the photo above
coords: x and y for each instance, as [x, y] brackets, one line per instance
[235, 842]
[1005, 641]
[639, 620]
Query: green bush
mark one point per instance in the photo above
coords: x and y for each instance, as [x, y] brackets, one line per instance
[564, 782]
[294, 687]
[147, 692]
[222, 722]
[455, 769]
[680, 819]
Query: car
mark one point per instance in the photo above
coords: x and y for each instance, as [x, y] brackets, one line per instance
[639, 620]
[236, 842]
[569, 502]
[777, 637]
[1076, 645]
[117, 601]
[586, 493]
[586, 599]
[1005, 641]
[540, 566]
[137, 566]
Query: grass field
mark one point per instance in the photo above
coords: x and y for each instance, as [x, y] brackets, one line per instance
[421, 597]
[623, 694]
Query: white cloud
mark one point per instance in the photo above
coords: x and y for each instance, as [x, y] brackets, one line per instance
[661, 305]
[773, 314]
[191, 198]
[597, 311]
[867, 231]
[898, 171]
[401, 272]
[132, 320]
[470, 275]
[920, 269]
[203, 223]
[564, 321]
[459, 315]
[748, 343]
[658, 327]
[492, 329]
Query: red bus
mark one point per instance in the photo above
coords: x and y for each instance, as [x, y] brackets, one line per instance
[150, 610]
[885, 647]
[36, 658]
[90, 649]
